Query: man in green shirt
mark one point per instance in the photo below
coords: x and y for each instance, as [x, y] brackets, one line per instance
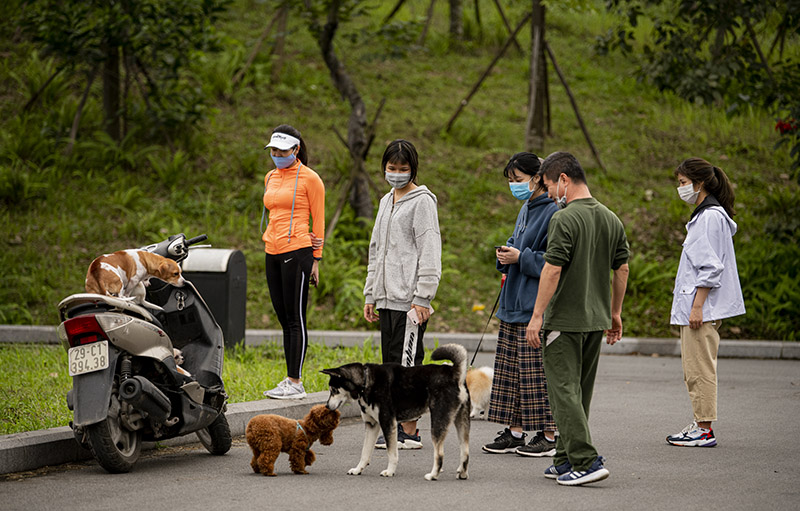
[577, 301]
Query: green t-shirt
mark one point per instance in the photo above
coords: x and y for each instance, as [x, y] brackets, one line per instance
[587, 241]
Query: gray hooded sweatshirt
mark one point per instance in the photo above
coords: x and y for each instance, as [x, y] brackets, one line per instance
[405, 252]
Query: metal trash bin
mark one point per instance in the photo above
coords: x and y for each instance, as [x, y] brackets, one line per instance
[220, 275]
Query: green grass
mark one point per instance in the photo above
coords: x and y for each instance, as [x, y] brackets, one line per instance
[57, 213]
[35, 380]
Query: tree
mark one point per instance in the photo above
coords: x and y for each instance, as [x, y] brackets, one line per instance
[456, 20]
[147, 43]
[535, 122]
[359, 136]
[456, 17]
[714, 52]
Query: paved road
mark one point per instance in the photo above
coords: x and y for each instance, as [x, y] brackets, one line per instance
[638, 401]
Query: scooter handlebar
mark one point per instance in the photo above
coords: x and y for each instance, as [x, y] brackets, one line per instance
[175, 247]
[196, 239]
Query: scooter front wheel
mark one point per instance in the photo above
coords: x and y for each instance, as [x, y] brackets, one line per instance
[116, 448]
[216, 438]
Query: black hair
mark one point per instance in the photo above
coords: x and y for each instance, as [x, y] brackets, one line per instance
[713, 179]
[401, 152]
[527, 163]
[562, 162]
[302, 154]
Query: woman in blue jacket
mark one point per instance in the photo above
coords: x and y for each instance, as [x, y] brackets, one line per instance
[519, 390]
[707, 290]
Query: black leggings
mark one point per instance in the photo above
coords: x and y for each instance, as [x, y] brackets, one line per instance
[287, 278]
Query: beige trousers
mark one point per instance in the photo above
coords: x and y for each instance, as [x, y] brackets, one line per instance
[699, 350]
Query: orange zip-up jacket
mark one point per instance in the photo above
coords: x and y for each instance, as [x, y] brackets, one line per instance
[288, 227]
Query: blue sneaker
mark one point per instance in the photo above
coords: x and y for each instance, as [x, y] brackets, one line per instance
[693, 436]
[553, 471]
[597, 472]
[404, 440]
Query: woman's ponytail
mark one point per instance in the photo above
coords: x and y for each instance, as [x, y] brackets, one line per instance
[723, 190]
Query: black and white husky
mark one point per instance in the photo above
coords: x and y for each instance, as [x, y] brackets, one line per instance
[388, 393]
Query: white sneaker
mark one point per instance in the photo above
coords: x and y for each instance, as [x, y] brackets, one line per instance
[287, 390]
[693, 436]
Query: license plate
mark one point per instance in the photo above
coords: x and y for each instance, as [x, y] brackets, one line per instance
[88, 358]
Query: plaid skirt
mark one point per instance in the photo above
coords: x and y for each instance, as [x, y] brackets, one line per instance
[519, 389]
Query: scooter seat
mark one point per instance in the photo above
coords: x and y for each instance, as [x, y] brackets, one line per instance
[69, 303]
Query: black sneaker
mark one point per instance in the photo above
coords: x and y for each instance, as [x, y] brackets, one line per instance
[406, 441]
[538, 447]
[505, 442]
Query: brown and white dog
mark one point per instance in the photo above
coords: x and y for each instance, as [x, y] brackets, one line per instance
[178, 356]
[479, 383]
[125, 274]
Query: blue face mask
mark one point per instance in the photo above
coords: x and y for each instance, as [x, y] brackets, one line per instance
[284, 162]
[520, 191]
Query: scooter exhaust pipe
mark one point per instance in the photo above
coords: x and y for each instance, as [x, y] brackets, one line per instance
[145, 396]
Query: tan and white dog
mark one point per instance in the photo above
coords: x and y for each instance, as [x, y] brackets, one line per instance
[125, 274]
[479, 383]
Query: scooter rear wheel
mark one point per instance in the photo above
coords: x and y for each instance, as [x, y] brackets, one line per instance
[116, 448]
[216, 438]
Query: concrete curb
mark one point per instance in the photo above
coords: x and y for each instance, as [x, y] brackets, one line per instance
[628, 345]
[31, 450]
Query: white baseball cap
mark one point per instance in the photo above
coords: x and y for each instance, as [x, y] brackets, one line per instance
[282, 141]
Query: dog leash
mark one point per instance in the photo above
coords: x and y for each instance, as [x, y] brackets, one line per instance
[304, 432]
[491, 315]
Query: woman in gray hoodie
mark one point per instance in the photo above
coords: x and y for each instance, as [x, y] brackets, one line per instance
[405, 265]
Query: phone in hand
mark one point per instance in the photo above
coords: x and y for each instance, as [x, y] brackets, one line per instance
[412, 315]
[499, 247]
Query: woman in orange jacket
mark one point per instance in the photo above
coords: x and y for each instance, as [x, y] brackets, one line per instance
[293, 194]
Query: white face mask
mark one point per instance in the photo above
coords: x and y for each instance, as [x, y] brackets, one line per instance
[561, 201]
[687, 193]
[398, 180]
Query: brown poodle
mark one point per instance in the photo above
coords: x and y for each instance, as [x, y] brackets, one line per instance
[269, 435]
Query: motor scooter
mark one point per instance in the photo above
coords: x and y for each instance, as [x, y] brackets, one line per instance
[126, 385]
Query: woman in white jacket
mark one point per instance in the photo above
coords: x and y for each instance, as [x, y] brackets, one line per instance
[707, 290]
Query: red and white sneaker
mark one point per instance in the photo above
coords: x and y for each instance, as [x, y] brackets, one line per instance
[693, 436]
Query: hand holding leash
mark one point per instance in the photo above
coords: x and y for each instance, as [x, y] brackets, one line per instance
[314, 278]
